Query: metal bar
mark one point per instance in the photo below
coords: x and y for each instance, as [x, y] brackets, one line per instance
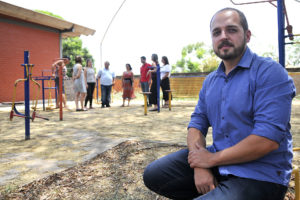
[60, 93]
[281, 46]
[292, 43]
[43, 94]
[26, 96]
[158, 87]
[252, 2]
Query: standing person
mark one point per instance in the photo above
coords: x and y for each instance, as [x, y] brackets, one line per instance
[89, 74]
[145, 78]
[165, 73]
[153, 89]
[79, 83]
[55, 68]
[127, 85]
[107, 80]
[247, 101]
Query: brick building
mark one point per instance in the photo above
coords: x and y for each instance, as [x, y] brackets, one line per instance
[22, 29]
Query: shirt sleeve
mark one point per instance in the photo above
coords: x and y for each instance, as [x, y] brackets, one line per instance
[272, 102]
[99, 74]
[199, 118]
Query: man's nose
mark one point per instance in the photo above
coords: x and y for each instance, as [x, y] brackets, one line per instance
[223, 35]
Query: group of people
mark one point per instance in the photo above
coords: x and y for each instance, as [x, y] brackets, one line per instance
[148, 79]
[84, 81]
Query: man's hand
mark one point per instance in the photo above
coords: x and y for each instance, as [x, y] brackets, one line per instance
[204, 180]
[200, 157]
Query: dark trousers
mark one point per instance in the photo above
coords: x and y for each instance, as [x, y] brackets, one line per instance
[90, 92]
[105, 94]
[165, 85]
[153, 90]
[145, 88]
[172, 177]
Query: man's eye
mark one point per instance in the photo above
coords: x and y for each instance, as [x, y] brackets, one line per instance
[216, 33]
[232, 30]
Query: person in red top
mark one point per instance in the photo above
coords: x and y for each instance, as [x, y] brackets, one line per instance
[144, 78]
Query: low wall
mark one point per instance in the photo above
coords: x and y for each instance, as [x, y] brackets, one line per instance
[183, 84]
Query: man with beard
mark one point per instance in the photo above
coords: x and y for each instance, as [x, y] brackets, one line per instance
[247, 102]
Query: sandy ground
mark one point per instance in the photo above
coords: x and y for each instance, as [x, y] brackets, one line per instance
[57, 145]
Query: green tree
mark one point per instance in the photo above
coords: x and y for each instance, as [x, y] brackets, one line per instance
[293, 53]
[196, 58]
[72, 47]
[48, 13]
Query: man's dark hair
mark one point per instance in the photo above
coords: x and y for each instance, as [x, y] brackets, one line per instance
[243, 20]
[143, 57]
[78, 59]
[67, 57]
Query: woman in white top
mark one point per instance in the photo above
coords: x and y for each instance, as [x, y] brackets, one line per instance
[79, 83]
[165, 73]
[89, 74]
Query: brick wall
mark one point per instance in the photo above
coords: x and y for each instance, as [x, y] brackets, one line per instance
[16, 37]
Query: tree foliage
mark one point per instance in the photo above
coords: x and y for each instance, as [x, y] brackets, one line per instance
[196, 58]
[72, 47]
[48, 13]
[293, 53]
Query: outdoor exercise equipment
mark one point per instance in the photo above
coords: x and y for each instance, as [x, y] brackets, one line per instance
[145, 94]
[297, 178]
[44, 78]
[50, 105]
[281, 15]
[27, 78]
[170, 98]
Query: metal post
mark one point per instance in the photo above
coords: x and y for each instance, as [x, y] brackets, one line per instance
[281, 45]
[43, 92]
[27, 95]
[97, 90]
[60, 93]
[158, 87]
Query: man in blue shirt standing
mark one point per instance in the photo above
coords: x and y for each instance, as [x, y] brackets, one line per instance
[247, 102]
[107, 80]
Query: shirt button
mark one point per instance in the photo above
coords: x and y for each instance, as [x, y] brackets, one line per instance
[226, 80]
[226, 136]
[222, 117]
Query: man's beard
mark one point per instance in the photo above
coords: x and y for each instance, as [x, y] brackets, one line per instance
[237, 51]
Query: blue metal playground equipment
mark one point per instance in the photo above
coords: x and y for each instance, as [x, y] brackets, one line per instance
[27, 78]
[281, 16]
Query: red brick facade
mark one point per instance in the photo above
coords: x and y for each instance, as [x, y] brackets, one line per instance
[16, 37]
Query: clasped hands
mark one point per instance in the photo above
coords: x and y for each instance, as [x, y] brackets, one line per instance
[200, 158]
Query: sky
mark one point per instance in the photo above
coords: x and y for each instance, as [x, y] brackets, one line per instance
[164, 27]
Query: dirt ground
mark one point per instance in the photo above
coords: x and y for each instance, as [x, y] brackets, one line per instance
[63, 159]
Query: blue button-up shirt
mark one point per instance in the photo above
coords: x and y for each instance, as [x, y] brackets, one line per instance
[254, 98]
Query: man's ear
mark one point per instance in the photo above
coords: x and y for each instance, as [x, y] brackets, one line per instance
[248, 35]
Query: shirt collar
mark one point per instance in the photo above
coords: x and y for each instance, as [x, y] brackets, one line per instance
[245, 62]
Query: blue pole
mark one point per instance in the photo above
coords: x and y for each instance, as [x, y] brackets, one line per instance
[281, 45]
[158, 87]
[26, 95]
